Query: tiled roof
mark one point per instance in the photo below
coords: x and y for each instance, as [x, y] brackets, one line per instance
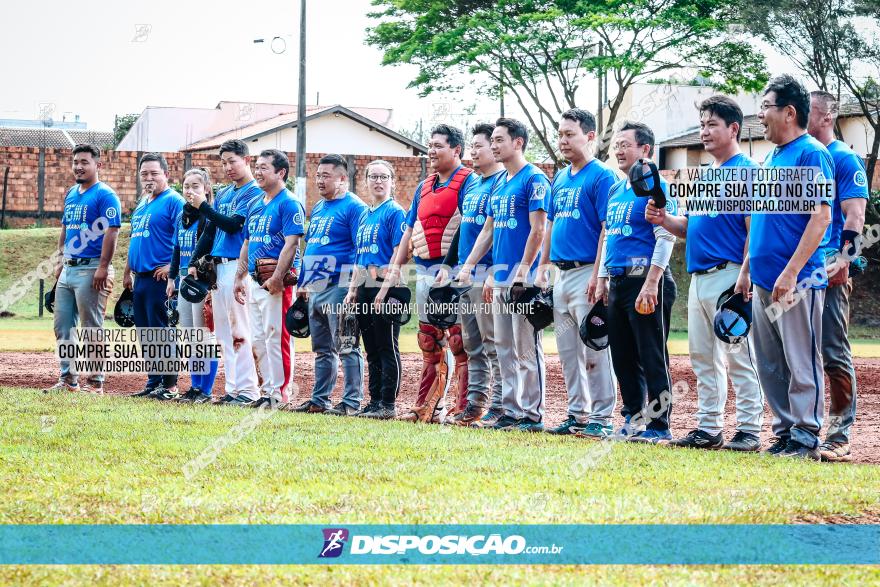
[99, 138]
[52, 137]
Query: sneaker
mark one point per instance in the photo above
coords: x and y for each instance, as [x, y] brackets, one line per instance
[370, 407]
[266, 403]
[471, 414]
[62, 385]
[222, 400]
[190, 395]
[778, 445]
[796, 450]
[342, 409]
[569, 426]
[651, 436]
[489, 419]
[381, 412]
[241, 402]
[203, 399]
[699, 439]
[596, 431]
[528, 425]
[744, 442]
[144, 392]
[628, 429]
[162, 393]
[504, 422]
[835, 452]
[309, 408]
[95, 387]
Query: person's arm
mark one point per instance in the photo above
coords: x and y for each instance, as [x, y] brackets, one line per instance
[451, 258]
[108, 247]
[810, 240]
[60, 264]
[239, 290]
[174, 270]
[541, 280]
[664, 241]
[538, 224]
[205, 242]
[229, 224]
[597, 267]
[744, 279]
[479, 250]
[854, 222]
[675, 225]
[392, 276]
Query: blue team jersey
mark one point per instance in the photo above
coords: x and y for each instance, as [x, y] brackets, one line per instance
[83, 235]
[851, 181]
[715, 238]
[509, 207]
[232, 201]
[474, 206]
[381, 231]
[331, 240]
[268, 224]
[413, 213]
[774, 237]
[153, 227]
[577, 210]
[629, 238]
[186, 239]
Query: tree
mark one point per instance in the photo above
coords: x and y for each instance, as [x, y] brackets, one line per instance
[832, 43]
[541, 51]
[121, 125]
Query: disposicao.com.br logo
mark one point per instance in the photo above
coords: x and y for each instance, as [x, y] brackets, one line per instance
[454, 544]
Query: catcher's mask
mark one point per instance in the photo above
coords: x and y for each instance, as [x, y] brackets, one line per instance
[296, 320]
[733, 317]
[395, 309]
[123, 312]
[594, 327]
[645, 180]
[171, 310]
[533, 303]
[193, 290]
[442, 306]
[49, 300]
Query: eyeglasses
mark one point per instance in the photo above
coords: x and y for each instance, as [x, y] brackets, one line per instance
[766, 105]
[383, 177]
[621, 146]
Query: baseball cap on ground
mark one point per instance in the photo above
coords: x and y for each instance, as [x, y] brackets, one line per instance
[733, 317]
[594, 327]
[645, 180]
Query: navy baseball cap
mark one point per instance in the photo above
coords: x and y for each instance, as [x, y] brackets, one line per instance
[594, 327]
[733, 317]
[645, 180]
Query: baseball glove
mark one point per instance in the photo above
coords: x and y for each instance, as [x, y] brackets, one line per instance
[206, 271]
[265, 268]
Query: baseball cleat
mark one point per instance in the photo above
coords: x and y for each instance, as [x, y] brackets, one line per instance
[144, 392]
[651, 436]
[743, 442]
[381, 412]
[342, 409]
[241, 402]
[505, 423]
[62, 385]
[778, 445]
[699, 439]
[308, 407]
[528, 425]
[489, 419]
[628, 429]
[569, 426]
[471, 414]
[372, 406]
[835, 452]
[190, 395]
[163, 393]
[267, 403]
[796, 450]
[222, 400]
[595, 431]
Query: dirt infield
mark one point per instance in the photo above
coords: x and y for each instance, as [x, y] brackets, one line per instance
[40, 369]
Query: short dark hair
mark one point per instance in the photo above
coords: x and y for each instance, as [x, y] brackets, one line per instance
[336, 161]
[87, 148]
[790, 92]
[158, 157]
[830, 101]
[279, 160]
[235, 146]
[515, 129]
[483, 128]
[725, 108]
[584, 118]
[644, 134]
[453, 135]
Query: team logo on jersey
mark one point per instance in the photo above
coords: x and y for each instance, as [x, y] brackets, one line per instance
[374, 248]
[298, 218]
[403, 226]
[627, 230]
[511, 223]
[539, 191]
[860, 179]
[146, 233]
[111, 213]
[480, 219]
[267, 239]
[325, 240]
[670, 206]
[576, 214]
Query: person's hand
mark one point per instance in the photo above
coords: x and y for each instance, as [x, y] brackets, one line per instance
[653, 214]
[380, 298]
[838, 273]
[743, 285]
[542, 278]
[58, 268]
[192, 271]
[169, 289]
[162, 272]
[99, 282]
[601, 292]
[442, 276]
[274, 285]
[783, 289]
[350, 297]
[591, 289]
[197, 200]
[487, 292]
[464, 276]
[127, 281]
[647, 300]
[239, 290]
[303, 293]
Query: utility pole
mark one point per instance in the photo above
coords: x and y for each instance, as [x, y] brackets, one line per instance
[501, 86]
[301, 110]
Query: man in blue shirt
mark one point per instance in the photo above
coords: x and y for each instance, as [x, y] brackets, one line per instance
[637, 285]
[272, 230]
[153, 227]
[331, 243]
[83, 273]
[222, 239]
[847, 222]
[716, 246]
[514, 229]
[786, 263]
[576, 221]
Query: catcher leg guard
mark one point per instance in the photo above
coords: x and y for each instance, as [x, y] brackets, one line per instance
[456, 345]
[435, 371]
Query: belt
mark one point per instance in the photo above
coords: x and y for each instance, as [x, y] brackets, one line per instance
[77, 262]
[224, 260]
[569, 265]
[717, 267]
[144, 273]
[617, 271]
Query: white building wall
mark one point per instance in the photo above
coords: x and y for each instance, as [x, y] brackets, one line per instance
[167, 129]
[334, 134]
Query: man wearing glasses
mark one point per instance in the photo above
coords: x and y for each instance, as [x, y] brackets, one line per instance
[786, 264]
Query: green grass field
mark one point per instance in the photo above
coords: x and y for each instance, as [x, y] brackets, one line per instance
[75, 458]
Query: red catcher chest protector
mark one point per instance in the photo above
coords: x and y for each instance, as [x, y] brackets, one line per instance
[438, 216]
